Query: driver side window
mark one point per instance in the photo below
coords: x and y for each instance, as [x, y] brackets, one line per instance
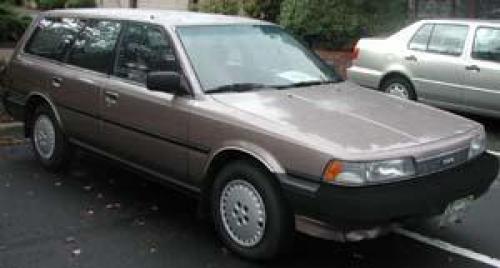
[144, 48]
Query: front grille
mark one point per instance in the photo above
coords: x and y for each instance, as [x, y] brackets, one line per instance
[442, 162]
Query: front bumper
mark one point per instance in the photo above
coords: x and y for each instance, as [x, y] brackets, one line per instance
[361, 207]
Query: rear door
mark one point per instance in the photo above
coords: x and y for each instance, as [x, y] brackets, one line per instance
[145, 127]
[434, 57]
[483, 71]
[77, 87]
[40, 60]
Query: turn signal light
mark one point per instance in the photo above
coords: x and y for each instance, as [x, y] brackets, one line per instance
[333, 169]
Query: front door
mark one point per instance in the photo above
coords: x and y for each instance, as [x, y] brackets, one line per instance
[145, 127]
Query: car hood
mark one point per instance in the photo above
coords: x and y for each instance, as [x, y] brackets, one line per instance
[347, 117]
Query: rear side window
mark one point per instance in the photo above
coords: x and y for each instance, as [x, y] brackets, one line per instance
[94, 47]
[53, 37]
[448, 39]
[421, 38]
[487, 44]
[144, 48]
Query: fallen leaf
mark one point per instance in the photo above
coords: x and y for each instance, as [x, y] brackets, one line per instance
[76, 252]
[87, 188]
[70, 239]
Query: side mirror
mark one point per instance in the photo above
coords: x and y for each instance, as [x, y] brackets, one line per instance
[169, 82]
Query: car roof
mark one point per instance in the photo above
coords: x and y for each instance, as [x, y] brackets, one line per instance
[166, 17]
[465, 21]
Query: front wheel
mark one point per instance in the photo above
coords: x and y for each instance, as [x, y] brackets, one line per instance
[49, 143]
[250, 215]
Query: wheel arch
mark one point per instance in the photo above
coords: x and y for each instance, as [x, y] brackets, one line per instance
[392, 74]
[34, 100]
[227, 154]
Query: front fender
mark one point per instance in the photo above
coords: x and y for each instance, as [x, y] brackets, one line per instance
[289, 182]
[253, 150]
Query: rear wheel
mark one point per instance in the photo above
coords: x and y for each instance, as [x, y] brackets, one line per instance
[399, 87]
[250, 215]
[49, 143]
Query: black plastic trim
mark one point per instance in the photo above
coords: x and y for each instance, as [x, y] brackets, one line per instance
[425, 196]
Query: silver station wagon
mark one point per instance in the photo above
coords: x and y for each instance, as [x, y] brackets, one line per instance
[452, 64]
[239, 113]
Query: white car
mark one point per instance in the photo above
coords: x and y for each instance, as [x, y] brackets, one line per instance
[453, 64]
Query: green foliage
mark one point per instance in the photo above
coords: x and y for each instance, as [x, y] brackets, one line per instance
[263, 9]
[12, 23]
[50, 4]
[80, 3]
[9, 2]
[336, 23]
[228, 7]
[384, 17]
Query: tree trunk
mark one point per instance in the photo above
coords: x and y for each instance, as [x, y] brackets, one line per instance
[453, 8]
[412, 10]
[472, 9]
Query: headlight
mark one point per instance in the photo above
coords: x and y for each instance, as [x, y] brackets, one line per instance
[477, 145]
[361, 173]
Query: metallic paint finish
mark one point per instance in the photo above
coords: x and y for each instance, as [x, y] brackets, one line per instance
[297, 130]
[438, 79]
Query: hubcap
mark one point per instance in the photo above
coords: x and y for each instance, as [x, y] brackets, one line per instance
[243, 213]
[398, 90]
[44, 136]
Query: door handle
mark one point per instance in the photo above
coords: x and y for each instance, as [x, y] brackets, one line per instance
[57, 82]
[112, 95]
[111, 98]
[411, 58]
[473, 68]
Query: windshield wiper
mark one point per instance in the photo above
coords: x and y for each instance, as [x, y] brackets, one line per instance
[308, 84]
[237, 87]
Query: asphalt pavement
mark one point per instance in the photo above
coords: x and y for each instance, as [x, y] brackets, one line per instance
[97, 214]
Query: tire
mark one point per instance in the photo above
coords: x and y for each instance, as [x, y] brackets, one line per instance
[240, 187]
[400, 87]
[44, 131]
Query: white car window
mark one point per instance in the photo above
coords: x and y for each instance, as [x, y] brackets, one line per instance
[448, 39]
[421, 38]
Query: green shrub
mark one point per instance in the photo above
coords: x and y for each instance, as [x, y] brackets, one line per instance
[338, 23]
[80, 3]
[50, 4]
[12, 23]
[228, 7]
[9, 2]
[263, 9]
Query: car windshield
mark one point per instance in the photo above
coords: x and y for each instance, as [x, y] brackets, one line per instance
[245, 57]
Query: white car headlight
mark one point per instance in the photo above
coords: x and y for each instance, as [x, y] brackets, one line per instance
[477, 145]
[361, 173]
